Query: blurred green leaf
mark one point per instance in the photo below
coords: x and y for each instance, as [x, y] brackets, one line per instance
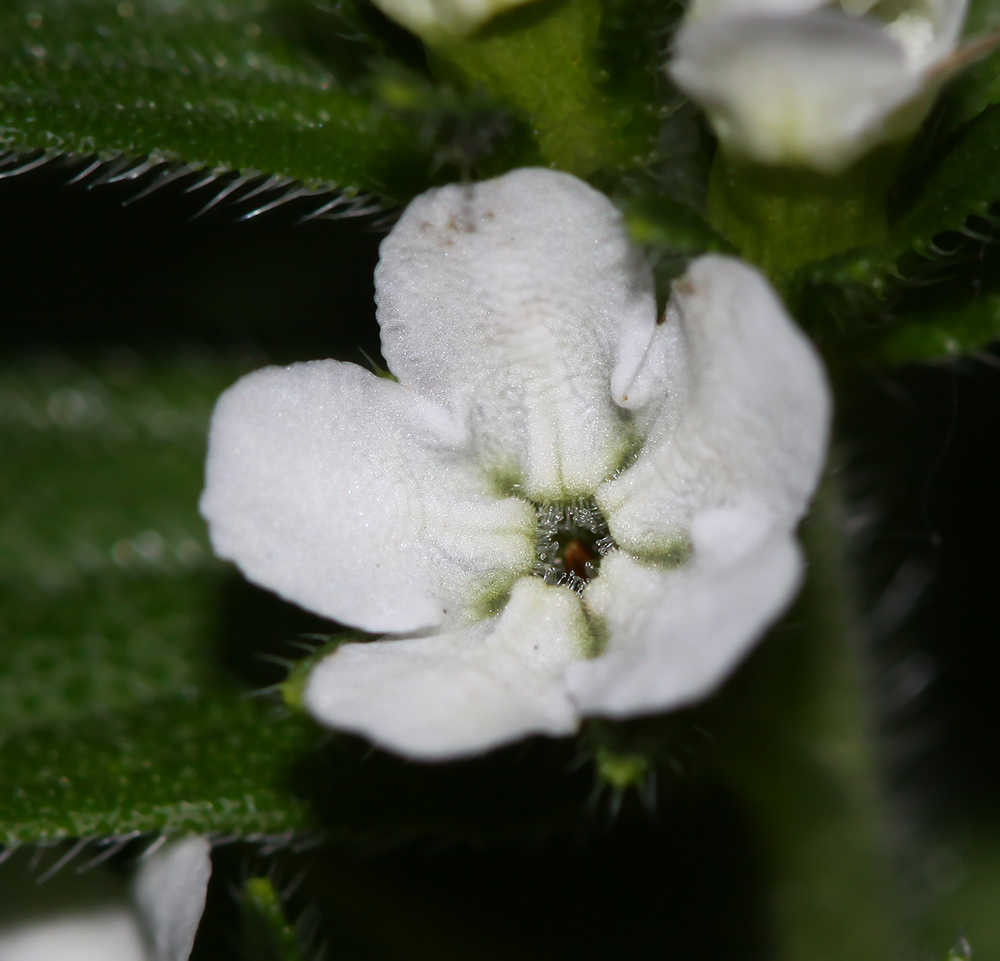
[943, 334]
[105, 571]
[210, 82]
[115, 715]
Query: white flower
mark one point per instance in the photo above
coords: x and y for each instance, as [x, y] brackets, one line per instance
[803, 82]
[94, 916]
[435, 18]
[538, 400]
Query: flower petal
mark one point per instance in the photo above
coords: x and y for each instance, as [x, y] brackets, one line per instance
[521, 305]
[457, 694]
[352, 496]
[818, 90]
[676, 634]
[170, 891]
[735, 406]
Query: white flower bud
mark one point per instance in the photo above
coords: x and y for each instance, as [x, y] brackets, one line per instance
[800, 83]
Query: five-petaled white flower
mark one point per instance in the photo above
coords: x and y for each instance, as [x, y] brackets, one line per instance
[813, 82]
[562, 509]
[95, 917]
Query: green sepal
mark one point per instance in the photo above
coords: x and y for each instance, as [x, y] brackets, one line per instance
[636, 754]
[267, 935]
[293, 688]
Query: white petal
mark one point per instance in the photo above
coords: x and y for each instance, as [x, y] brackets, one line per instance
[818, 90]
[170, 891]
[676, 634]
[432, 18]
[749, 421]
[354, 497]
[69, 917]
[521, 305]
[458, 694]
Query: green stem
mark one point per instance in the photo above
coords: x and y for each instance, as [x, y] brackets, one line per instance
[781, 218]
[802, 757]
[538, 60]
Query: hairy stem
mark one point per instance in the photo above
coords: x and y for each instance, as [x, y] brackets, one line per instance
[802, 757]
[538, 61]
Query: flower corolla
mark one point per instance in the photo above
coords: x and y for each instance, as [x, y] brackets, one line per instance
[95, 916]
[562, 508]
[816, 83]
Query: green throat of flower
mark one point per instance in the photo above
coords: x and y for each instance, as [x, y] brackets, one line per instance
[570, 540]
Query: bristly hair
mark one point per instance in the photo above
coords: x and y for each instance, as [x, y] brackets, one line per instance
[249, 192]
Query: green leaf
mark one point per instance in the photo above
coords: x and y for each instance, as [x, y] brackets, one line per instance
[115, 714]
[213, 762]
[105, 572]
[209, 82]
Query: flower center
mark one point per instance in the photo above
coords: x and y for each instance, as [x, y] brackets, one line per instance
[570, 541]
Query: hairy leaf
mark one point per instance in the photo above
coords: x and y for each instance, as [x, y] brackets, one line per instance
[210, 82]
[214, 762]
[115, 711]
[105, 572]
